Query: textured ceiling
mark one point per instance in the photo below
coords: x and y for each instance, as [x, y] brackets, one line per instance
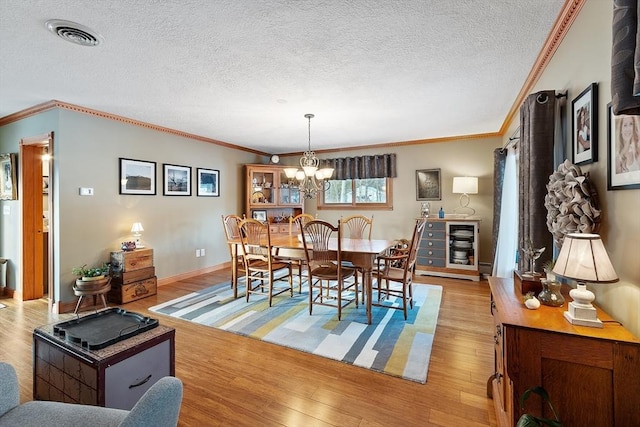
[245, 72]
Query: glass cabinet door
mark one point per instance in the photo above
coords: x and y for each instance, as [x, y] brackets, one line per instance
[262, 187]
[289, 192]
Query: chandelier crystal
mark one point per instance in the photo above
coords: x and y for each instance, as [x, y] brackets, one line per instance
[311, 180]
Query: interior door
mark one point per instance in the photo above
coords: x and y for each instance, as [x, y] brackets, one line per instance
[31, 194]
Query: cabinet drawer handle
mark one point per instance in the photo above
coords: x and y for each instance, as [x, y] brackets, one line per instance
[430, 225]
[430, 262]
[430, 234]
[138, 384]
[498, 330]
[430, 243]
[430, 252]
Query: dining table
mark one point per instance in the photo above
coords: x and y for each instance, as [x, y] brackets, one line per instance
[362, 253]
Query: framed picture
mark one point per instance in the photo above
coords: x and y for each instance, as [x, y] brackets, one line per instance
[428, 184]
[208, 182]
[137, 177]
[623, 139]
[45, 185]
[8, 182]
[177, 180]
[260, 215]
[584, 119]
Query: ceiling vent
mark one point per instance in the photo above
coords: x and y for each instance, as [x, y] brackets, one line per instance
[73, 32]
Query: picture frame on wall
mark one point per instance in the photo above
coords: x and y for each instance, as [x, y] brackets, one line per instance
[259, 215]
[177, 180]
[8, 180]
[208, 182]
[137, 177]
[428, 185]
[623, 141]
[584, 126]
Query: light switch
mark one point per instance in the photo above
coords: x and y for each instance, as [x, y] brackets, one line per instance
[85, 191]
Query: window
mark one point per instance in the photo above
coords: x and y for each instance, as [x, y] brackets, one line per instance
[370, 193]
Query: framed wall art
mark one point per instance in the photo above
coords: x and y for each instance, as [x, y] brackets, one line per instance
[623, 140]
[8, 181]
[260, 215]
[177, 180]
[428, 184]
[584, 128]
[208, 182]
[137, 177]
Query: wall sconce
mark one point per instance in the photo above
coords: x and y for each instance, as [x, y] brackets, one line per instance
[137, 229]
[584, 259]
[465, 185]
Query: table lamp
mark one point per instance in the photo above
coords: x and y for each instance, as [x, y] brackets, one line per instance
[465, 185]
[583, 258]
[136, 229]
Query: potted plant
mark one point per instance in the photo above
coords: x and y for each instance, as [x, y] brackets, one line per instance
[528, 420]
[91, 277]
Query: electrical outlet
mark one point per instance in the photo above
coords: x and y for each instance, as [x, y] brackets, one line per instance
[197, 253]
[202, 252]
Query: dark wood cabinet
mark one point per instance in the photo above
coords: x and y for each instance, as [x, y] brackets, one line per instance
[592, 375]
[115, 376]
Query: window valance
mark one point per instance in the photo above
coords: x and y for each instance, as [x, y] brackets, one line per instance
[362, 167]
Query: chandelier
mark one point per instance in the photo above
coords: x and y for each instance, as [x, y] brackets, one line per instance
[311, 180]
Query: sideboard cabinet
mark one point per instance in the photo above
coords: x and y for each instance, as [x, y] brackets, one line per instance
[449, 248]
[592, 375]
[271, 196]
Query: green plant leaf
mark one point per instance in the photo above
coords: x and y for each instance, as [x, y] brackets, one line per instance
[528, 420]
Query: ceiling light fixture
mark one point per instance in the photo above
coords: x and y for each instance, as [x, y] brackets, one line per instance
[311, 180]
[74, 32]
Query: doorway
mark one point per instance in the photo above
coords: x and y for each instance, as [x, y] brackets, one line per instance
[37, 194]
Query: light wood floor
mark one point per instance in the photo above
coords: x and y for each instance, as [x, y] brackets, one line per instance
[231, 380]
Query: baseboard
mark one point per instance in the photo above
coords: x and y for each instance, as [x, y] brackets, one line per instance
[190, 274]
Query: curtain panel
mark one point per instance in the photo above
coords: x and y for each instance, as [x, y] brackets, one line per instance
[363, 167]
[625, 58]
[499, 159]
[537, 129]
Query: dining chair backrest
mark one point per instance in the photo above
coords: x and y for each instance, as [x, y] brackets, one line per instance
[316, 235]
[357, 226]
[256, 240]
[418, 231]
[299, 220]
[231, 226]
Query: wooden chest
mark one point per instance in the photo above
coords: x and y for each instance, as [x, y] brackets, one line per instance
[133, 275]
[124, 261]
[124, 293]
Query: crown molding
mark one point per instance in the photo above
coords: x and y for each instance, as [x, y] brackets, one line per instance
[566, 17]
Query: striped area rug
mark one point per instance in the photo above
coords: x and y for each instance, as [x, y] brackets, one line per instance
[389, 345]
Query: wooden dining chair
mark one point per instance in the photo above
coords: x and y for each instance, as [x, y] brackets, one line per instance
[357, 227]
[326, 266]
[296, 256]
[231, 225]
[260, 263]
[396, 271]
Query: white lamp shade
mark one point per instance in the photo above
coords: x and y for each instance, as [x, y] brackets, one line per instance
[290, 172]
[137, 227]
[465, 185]
[584, 258]
[326, 173]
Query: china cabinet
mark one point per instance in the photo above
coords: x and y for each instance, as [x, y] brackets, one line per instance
[449, 248]
[271, 196]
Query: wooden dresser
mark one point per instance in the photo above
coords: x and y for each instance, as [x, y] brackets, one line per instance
[592, 375]
[133, 275]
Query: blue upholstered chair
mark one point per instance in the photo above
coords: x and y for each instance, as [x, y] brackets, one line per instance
[158, 407]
